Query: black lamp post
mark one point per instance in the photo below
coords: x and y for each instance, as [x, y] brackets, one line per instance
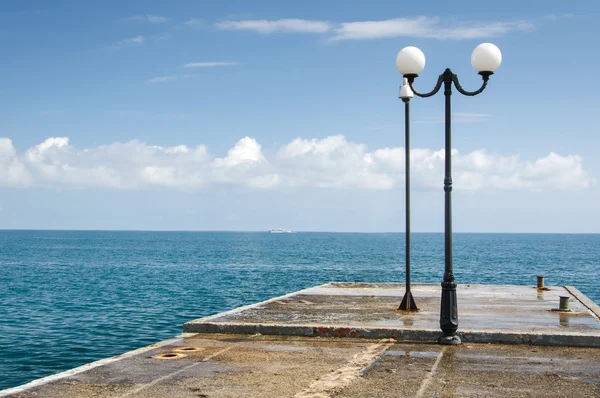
[486, 58]
[408, 302]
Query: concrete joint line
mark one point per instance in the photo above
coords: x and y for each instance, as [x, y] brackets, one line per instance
[427, 379]
[357, 366]
[161, 379]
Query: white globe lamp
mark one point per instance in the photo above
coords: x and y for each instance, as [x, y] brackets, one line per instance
[410, 61]
[486, 58]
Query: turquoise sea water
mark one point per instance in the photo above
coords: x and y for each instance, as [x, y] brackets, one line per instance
[71, 297]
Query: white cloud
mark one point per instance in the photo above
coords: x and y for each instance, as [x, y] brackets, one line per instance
[162, 79]
[195, 22]
[12, 169]
[137, 40]
[246, 151]
[555, 17]
[420, 27]
[119, 165]
[208, 64]
[331, 162]
[166, 79]
[425, 27]
[149, 18]
[280, 25]
[328, 163]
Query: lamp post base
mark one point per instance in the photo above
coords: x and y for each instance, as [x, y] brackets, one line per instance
[449, 340]
[408, 303]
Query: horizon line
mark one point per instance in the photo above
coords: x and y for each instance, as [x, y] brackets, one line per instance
[293, 231]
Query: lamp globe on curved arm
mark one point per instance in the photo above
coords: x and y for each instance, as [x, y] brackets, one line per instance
[486, 58]
[410, 61]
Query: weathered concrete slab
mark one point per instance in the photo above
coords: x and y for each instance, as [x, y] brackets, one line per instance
[306, 348]
[487, 314]
[278, 366]
[481, 370]
[222, 366]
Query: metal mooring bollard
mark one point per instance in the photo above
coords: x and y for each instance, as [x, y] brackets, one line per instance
[540, 282]
[564, 303]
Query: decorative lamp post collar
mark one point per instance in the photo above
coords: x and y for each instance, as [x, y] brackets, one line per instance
[406, 92]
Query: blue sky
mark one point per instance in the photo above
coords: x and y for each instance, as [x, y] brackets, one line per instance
[240, 115]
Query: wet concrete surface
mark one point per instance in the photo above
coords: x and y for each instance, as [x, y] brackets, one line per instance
[482, 370]
[280, 366]
[484, 310]
[322, 357]
[226, 366]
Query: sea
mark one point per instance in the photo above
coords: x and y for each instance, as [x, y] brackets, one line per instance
[72, 297]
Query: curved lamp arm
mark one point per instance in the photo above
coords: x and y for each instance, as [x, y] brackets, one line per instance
[437, 87]
[484, 76]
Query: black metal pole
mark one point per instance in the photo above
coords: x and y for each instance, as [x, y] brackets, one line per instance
[407, 187]
[449, 307]
[449, 303]
[408, 302]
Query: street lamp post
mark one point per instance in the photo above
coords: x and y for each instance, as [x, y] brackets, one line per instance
[408, 302]
[486, 58]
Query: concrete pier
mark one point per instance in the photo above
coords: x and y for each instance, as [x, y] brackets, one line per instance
[487, 314]
[348, 340]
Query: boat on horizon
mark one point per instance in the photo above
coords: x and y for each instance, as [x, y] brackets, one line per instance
[280, 231]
